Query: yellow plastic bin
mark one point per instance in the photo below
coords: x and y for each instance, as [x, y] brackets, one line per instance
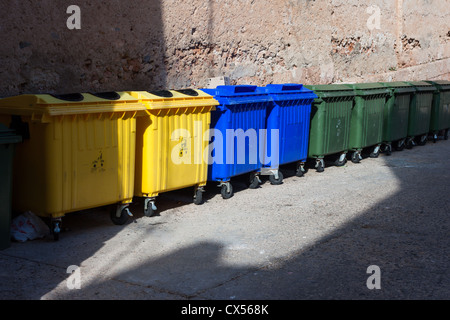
[172, 143]
[78, 152]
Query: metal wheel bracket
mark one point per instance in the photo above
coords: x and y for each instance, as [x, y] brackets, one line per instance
[255, 175]
[320, 161]
[148, 202]
[227, 184]
[269, 172]
[376, 149]
[56, 225]
[201, 189]
[122, 207]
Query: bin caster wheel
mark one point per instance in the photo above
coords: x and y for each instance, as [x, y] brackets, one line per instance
[320, 165]
[375, 153]
[301, 170]
[120, 215]
[423, 140]
[400, 145]
[341, 161]
[198, 197]
[409, 144]
[149, 207]
[273, 180]
[388, 149]
[226, 190]
[356, 158]
[56, 228]
[254, 181]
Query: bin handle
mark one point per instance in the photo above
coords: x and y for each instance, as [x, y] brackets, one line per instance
[162, 93]
[74, 97]
[188, 92]
[111, 95]
[244, 88]
[291, 87]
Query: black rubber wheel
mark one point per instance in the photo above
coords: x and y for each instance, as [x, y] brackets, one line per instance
[119, 220]
[355, 157]
[388, 150]
[320, 167]
[422, 141]
[254, 182]
[149, 212]
[55, 229]
[342, 163]
[276, 181]
[399, 147]
[198, 199]
[409, 144]
[225, 193]
[300, 171]
[375, 154]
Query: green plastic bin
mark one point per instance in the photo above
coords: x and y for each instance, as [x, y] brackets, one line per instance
[420, 113]
[396, 115]
[8, 139]
[330, 123]
[440, 112]
[366, 128]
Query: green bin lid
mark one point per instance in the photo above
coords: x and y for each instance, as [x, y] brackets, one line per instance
[441, 85]
[422, 86]
[368, 89]
[399, 87]
[331, 90]
[8, 136]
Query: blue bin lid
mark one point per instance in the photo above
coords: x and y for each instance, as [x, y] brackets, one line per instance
[238, 94]
[289, 91]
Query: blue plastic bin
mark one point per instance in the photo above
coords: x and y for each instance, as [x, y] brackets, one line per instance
[239, 121]
[289, 113]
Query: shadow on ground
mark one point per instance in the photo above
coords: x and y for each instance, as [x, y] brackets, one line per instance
[406, 235]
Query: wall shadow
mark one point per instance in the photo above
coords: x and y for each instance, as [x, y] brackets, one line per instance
[120, 46]
[406, 235]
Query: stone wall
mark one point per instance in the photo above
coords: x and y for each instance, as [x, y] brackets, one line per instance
[154, 44]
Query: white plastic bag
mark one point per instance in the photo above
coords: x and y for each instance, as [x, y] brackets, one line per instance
[28, 226]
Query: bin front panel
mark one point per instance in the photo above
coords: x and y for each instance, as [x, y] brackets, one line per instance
[289, 117]
[77, 153]
[6, 167]
[396, 113]
[420, 113]
[75, 163]
[440, 112]
[330, 126]
[446, 108]
[367, 121]
[8, 141]
[240, 127]
[171, 148]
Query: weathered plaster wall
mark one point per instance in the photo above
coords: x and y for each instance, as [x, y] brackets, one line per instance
[151, 44]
